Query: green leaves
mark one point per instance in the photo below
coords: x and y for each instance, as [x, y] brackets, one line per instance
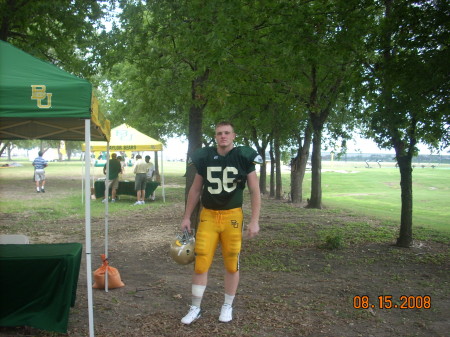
[62, 32]
[406, 79]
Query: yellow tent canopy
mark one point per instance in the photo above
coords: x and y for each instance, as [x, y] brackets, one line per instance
[126, 138]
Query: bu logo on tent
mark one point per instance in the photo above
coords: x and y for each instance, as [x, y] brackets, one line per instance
[124, 135]
[38, 92]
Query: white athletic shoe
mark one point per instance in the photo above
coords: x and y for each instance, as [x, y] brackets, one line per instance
[137, 203]
[226, 313]
[193, 315]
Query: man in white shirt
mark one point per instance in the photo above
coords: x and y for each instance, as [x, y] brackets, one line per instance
[140, 170]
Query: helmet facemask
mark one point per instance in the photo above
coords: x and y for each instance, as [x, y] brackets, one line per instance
[182, 248]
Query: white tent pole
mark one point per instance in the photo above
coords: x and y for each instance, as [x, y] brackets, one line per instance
[106, 213]
[87, 191]
[107, 176]
[82, 183]
[162, 173]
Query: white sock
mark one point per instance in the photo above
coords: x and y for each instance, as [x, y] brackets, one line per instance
[197, 294]
[229, 299]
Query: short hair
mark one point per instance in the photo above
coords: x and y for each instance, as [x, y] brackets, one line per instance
[138, 156]
[114, 155]
[147, 157]
[225, 123]
[40, 153]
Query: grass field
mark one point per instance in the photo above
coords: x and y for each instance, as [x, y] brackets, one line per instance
[376, 192]
[351, 186]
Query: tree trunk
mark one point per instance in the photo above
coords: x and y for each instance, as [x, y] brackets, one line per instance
[68, 150]
[4, 146]
[9, 149]
[278, 183]
[195, 142]
[272, 171]
[195, 138]
[404, 163]
[261, 149]
[317, 117]
[298, 167]
[403, 154]
[60, 155]
[263, 177]
[315, 200]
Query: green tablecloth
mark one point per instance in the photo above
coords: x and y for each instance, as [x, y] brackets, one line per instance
[125, 187]
[38, 284]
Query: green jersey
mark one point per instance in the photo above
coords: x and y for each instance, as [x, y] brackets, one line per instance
[114, 169]
[224, 177]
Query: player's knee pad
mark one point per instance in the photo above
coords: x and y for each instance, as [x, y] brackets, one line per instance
[201, 264]
[204, 252]
[231, 263]
[233, 245]
[202, 243]
[230, 252]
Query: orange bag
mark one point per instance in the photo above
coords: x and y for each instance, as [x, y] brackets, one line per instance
[114, 280]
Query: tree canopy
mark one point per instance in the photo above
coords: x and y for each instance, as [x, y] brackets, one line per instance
[62, 32]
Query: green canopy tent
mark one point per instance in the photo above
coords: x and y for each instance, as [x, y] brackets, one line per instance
[40, 101]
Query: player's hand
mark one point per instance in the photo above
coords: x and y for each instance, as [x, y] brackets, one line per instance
[252, 230]
[186, 225]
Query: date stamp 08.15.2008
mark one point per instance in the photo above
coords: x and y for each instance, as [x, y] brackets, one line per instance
[389, 302]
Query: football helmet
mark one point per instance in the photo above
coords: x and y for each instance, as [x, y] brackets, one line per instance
[182, 248]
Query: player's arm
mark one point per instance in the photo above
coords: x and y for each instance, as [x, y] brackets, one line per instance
[192, 201]
[255, 195]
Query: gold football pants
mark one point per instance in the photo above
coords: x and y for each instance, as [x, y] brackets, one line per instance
[224, 226]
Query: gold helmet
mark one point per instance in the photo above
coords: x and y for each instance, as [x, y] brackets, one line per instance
[182, 248]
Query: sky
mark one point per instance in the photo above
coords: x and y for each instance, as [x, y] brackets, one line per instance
[176, 148]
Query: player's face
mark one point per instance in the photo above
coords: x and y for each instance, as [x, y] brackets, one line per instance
[225, 136]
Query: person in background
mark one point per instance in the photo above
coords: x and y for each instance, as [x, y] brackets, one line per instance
[150, 171]
[140, 170]
[39, 164]
[112, 180]
[222, 174]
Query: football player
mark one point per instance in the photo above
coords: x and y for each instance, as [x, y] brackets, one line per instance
[222, 174]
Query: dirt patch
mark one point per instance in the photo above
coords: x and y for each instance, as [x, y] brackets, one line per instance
[289, 286]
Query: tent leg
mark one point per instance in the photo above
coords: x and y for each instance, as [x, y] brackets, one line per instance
[107, 211]
[82, 184]
[162, 176]
[87, 191]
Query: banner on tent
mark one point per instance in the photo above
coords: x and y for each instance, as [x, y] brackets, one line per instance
[134, 147]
